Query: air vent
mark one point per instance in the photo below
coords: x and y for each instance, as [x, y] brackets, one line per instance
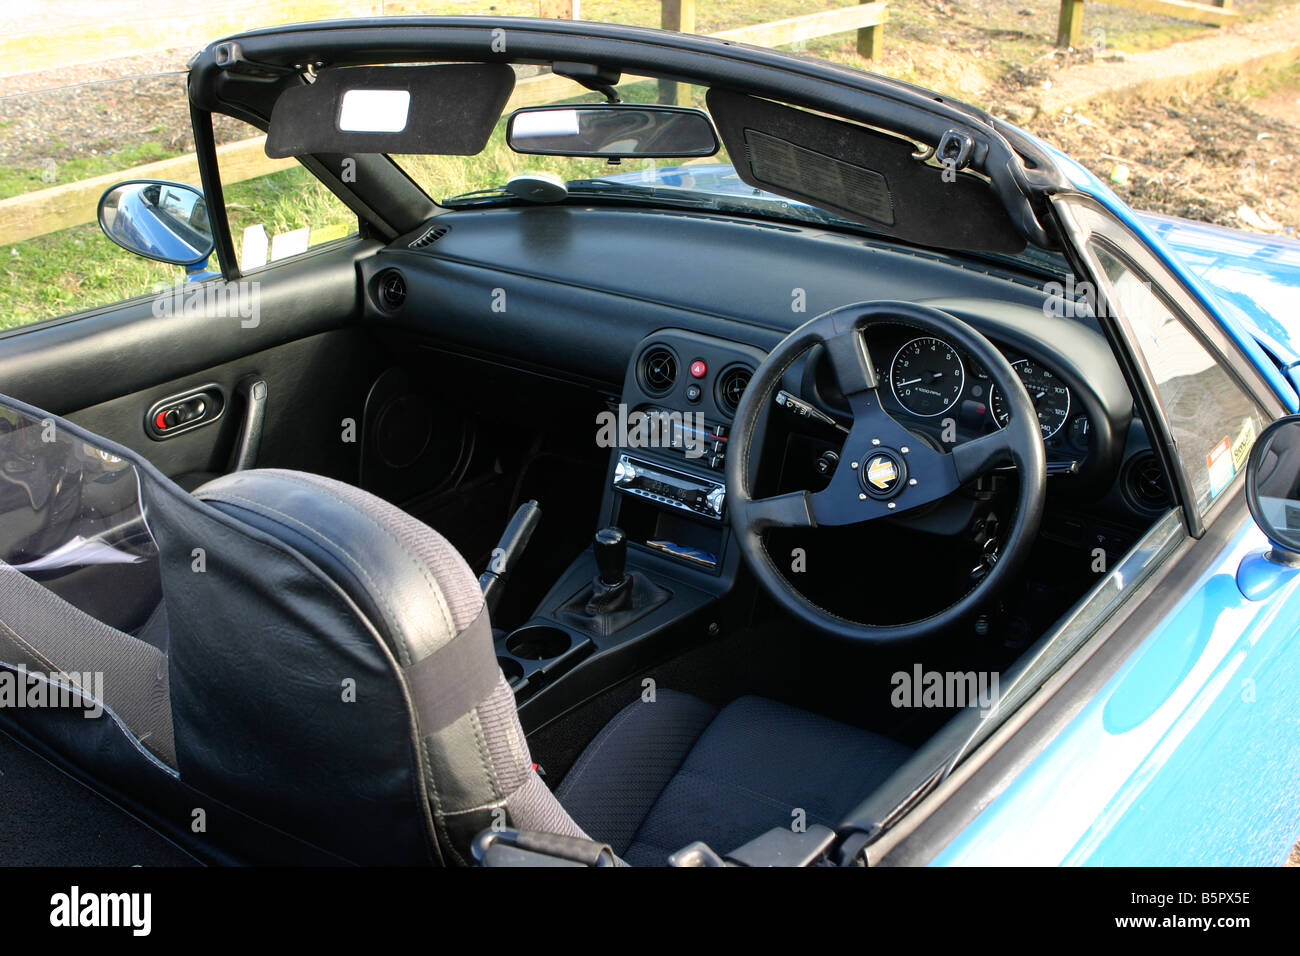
[731, 385]
[428, 238]
[658, 370]
[1144, 483]
[390, 289]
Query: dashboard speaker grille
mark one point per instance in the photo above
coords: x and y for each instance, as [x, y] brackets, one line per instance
[658, 367]
[390, 289]
[731, 385]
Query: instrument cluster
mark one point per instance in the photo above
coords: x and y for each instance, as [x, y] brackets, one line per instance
[934, 383]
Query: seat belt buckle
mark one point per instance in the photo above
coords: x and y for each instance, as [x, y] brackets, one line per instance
[777, 847]
[510, 847]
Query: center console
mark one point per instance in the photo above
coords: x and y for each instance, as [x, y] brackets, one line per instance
[664, 556]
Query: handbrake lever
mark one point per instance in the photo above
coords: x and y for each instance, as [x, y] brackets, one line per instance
[507, 552]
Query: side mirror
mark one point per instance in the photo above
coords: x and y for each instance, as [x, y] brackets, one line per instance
[1273, 486]
[613, 131]
[158, 220]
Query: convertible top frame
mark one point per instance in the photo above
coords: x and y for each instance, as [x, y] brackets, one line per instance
[243, 75]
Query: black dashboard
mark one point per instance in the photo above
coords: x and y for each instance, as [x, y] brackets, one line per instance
[583, 294]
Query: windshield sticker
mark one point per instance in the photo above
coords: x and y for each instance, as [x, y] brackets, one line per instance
[1220, 465]
[1243, 444]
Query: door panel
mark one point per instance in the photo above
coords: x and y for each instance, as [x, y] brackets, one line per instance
[106, 369]
[313, 384]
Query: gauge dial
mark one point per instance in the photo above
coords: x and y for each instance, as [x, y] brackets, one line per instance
[1049, 394]
[927, 376]
[1080, 434]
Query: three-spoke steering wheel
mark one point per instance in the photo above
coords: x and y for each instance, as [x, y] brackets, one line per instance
[883, 469]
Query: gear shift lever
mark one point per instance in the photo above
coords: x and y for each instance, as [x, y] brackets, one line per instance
[609, 589]
[610, 547]
[615, 598]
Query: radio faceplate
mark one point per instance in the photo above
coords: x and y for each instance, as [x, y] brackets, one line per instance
[699, 496]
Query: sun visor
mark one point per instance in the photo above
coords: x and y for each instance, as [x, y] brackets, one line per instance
[447, 109]
[859, 173]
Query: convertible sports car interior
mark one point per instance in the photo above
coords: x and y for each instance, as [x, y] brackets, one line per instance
[587, 519]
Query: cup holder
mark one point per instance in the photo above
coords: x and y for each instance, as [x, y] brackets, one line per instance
[539, 642]
[513, 670]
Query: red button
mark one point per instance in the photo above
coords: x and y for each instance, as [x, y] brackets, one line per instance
[699, 369]
[160, 422]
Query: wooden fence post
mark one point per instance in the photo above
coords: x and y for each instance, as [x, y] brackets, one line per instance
[676, 15]
[871, 42]
[560, 9]
[1070, 27]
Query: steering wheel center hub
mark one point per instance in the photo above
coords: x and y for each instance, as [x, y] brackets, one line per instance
[883, 473]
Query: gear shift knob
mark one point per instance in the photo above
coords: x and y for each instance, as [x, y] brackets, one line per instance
[610, 547]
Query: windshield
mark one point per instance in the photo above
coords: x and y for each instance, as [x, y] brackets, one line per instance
[709, 183]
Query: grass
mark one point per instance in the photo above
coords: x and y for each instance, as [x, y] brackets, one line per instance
[79, 268]
[73, 269]
[18, 179]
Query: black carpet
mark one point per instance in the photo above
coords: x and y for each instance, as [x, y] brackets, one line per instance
[49, 819]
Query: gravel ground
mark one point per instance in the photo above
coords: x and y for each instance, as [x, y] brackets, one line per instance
[107, 111]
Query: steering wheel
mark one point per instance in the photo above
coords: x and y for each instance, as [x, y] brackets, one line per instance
[883, 469]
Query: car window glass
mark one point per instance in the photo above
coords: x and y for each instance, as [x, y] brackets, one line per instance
[1213, 421]
[60, 149]
[443, 177]
[276, 208]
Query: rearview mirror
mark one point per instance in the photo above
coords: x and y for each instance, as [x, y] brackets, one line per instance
[1273, 484]
[613, 131]
[158, 220]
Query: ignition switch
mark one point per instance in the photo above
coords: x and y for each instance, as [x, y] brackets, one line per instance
[826, 462]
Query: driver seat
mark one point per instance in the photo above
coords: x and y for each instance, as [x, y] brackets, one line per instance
[663, 773]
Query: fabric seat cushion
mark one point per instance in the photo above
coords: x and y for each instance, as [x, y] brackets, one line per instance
[610, 789]
[723, 779]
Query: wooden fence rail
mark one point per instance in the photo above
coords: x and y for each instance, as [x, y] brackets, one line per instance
[1069, 31]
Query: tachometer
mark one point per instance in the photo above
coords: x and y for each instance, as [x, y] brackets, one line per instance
[927, 376]
[1049, 394]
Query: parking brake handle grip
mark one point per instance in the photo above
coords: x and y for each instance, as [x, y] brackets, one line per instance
[507, 553]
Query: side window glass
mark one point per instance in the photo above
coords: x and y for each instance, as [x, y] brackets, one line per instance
[276, 207]
[60, 150]
[1214, 421]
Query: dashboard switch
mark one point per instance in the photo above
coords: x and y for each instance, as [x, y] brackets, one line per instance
[699, 369]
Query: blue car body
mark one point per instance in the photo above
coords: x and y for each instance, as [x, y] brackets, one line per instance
[1175, 761]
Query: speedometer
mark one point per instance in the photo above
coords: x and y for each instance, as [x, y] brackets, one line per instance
[1049, 394]
[927, 376]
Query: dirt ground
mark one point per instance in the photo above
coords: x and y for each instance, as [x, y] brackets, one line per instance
[1213, 157]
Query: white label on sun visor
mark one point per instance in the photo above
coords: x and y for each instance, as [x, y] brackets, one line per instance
[545, 123]
[374, 111]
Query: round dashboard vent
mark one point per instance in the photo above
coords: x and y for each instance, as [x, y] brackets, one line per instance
[731, 385]
[1144, 483]
[390, 289]
[658, 368]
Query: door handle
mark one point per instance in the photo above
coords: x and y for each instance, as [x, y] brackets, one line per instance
[252, 391]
